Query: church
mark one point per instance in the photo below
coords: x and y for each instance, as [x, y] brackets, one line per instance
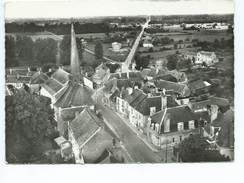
[67, 91]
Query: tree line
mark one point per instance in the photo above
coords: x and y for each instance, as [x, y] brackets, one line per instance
[23, 50]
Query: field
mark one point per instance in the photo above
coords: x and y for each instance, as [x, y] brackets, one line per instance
[163, 54]
[203, 35]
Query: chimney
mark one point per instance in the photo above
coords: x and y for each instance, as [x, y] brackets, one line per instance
[40, 70]
[163, 102]
[29, 69]
[149, 122]
[157, 127]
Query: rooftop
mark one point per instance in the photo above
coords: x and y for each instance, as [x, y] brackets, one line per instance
[74, 94]
[176, 114]
[84, 126]
[61, 76]
[52, 86]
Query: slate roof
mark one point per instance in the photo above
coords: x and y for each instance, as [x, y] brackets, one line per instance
[68, 114]
[198, 84]
[39, 78]
[176, 114]
[61, 76]
[176, 87]
[124, 83]
[221, 102]
[84, 126]
[134, 75]
[144, 106]
[136, 93]
[74, 94]
[52, 86]
[167, 77]
[17, 79]
[206, 53]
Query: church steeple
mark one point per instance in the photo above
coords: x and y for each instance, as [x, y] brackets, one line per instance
[74, 56]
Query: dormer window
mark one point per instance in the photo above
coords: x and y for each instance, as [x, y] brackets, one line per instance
[191, 124]
[180, 126]
[152, 110]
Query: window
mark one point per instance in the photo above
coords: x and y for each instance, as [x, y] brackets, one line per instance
[167, 125]
[173, 140]
[191, 124]
[180, 138]
[180, 126]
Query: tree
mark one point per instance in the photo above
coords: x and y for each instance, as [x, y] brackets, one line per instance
[65, 50]
[112, 67]
[195, 148]
[45, 51]
[10, 58]
[142, 62]
[98, 50]
[24, 49]
[30, 127]
[172, 61]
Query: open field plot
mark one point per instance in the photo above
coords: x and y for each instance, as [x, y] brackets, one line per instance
[163, 54]
[107, 51]
[203, 35]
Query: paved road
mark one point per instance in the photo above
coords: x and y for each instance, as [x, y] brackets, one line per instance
[136, 44]
[136, 148]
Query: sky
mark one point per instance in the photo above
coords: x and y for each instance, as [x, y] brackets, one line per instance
[92, 8]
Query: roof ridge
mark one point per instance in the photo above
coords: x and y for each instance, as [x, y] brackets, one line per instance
[178, 106]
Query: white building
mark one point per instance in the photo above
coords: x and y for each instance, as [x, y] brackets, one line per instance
[116, 46]
[209, 58]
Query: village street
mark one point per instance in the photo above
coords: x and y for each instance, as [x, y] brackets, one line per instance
[135, 147]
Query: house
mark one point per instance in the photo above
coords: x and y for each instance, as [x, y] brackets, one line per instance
[203, 105]
[116, 46]
[209, 58]
[199, 87]
[85, 133]
[17, 77]
[147, 44]
[137, 106]
[171, 125]
[177, 88]
[184, 45]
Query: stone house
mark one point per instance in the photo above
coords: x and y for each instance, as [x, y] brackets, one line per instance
[209, 58]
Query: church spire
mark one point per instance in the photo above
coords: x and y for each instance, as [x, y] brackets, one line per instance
[74, 56]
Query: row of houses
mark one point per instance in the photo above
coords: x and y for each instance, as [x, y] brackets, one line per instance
[166, 112]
